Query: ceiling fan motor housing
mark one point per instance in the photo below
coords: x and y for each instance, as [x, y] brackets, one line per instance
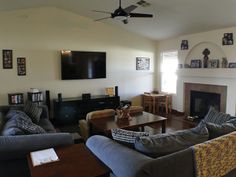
[119, 13]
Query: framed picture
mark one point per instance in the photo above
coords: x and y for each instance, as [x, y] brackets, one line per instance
[142, 63]
[7, 59]
[232, 65]
[196, 64]
[109, 91]
[213, 63]
[184, 45]
[228, 39]
[21, 66]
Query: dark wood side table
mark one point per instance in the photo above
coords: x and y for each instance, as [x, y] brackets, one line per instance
[75, 161]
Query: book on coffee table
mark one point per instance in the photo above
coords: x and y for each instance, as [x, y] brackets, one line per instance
[43, 156]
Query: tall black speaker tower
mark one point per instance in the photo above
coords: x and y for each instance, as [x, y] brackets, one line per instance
[116, 91]
[47, 93]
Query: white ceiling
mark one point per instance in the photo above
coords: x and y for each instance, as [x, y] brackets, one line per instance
[171, 17]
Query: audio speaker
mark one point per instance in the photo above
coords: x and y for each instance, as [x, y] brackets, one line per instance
[86, 96]
[116, 91]
[47, 93]
[59, 95]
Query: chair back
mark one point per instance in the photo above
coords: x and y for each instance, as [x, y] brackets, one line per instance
[148, 102]
[100, 114]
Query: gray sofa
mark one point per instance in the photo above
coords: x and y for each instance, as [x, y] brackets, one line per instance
[126, 162]
[14, 149]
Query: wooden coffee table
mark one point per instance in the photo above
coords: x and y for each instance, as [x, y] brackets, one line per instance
[139, 120]
[75, 161]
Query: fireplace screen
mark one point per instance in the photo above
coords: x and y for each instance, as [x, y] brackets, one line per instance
[200, 102]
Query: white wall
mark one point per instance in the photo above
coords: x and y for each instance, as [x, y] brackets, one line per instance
[206, 76]
[39, 35]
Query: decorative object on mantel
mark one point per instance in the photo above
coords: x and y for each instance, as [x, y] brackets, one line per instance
[196, 64]
[214, 63]
[184, 45]
[228, 39]
[205, 52]
[232, 65]
[21, 66]
[180, 66]
[186, 66]
[224, 62]
[123, 112]
[142, 63]
[7, 59]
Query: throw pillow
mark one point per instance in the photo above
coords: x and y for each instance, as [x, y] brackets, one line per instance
[33, 111]
[163, 144]
[126, 137]
[216, 117]
[216, 130]
[19, 123]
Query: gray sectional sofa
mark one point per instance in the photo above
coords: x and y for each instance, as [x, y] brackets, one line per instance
[14, 149]
[127, 162]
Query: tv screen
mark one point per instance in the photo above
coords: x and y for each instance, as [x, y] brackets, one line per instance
[83, 65]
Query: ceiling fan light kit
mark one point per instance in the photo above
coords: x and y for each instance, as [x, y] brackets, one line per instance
[125, 13]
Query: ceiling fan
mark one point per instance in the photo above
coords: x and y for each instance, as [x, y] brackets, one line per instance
[124, 13]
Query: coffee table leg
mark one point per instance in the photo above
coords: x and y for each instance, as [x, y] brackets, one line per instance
[163, 126]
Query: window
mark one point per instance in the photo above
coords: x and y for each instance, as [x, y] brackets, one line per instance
[168, 71]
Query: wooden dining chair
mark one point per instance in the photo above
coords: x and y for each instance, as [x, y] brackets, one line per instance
[148, 103]
[164, 103]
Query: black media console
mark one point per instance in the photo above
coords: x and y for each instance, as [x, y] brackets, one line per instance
[71, 110]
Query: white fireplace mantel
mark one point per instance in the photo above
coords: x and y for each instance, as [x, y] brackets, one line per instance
[207, 72]
[216, 76]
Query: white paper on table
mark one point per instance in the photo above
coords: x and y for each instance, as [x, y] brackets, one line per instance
[43, 156]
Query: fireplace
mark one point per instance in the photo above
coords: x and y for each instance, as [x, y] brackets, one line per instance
[199, 97]
[200, 102]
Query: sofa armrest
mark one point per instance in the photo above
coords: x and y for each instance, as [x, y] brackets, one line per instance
[121, 160]
[13, 147]
[84, 129]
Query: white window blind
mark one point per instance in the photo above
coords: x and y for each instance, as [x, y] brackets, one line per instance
[168, 71]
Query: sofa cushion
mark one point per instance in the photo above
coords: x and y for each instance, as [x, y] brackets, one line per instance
[216, 117]
[126, 137]
[33, 111]
[163, 144]
[216, 130]
[19, 123]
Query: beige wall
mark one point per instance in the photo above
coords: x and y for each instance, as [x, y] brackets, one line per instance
[220, 76]
[39, 34]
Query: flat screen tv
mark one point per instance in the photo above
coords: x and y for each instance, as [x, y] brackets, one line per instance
[83, 65]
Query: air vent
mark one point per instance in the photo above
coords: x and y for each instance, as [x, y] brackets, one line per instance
[143, 3]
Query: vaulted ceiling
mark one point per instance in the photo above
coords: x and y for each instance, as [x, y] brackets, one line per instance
[171, 17]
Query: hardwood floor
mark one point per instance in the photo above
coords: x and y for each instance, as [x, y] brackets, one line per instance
[175, 122]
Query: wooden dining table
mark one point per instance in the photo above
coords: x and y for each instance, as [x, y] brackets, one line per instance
[155, 99]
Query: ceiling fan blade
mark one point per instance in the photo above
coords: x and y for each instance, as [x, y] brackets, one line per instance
[141, 15]
[100, 11]
[130, 8]
[102, 19]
